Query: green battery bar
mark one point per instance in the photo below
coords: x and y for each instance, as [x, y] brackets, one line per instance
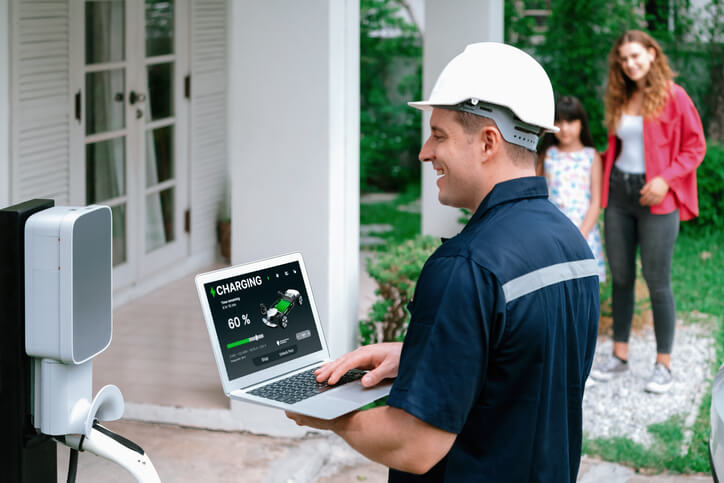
[238, 343]
[253, 338]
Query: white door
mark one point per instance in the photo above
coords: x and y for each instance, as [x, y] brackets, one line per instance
[129, 139]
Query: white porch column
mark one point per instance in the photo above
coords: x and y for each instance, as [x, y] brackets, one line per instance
[294, 148]
[4, 104]
[449, 27]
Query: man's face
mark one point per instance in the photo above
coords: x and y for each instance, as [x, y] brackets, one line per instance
[455, 156]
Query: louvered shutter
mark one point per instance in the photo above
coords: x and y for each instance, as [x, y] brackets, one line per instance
[208, 118]
[40, 100]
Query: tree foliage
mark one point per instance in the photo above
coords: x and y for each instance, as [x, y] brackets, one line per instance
[390, 75]
[575, 46]
[573, 43]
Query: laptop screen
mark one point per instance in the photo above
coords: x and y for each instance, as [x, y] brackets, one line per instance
[262, 319]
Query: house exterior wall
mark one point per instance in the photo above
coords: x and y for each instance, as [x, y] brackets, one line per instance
[4, 103]
[450, 26]
[293, 145]
[209, 126]
[294, 156]
[37, 122]
[40, 101]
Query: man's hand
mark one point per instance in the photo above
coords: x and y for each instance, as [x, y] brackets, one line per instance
[382, 361]
[654, 191]
[302, 420]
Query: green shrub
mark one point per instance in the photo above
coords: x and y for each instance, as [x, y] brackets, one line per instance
[396, 271]
[390, 75]
[710, 181]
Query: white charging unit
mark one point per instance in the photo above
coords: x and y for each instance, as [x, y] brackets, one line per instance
[68, 316]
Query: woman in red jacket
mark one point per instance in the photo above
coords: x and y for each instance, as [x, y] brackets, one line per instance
[655, 144]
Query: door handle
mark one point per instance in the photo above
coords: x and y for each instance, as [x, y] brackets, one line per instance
[135, 97]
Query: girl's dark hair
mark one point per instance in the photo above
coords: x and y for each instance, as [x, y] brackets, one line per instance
[568, 108]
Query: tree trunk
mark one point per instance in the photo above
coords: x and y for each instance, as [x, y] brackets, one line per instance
[716, 121]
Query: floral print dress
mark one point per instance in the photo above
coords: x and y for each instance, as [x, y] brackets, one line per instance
[569, 187]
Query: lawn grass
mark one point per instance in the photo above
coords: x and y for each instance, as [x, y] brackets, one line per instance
[405, 225]
[698, 289]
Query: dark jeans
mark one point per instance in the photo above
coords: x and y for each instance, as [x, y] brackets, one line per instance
[628, 225]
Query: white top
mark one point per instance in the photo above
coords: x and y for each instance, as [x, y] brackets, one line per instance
[631, 133]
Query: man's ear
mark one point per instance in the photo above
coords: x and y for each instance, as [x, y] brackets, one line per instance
[491, 141]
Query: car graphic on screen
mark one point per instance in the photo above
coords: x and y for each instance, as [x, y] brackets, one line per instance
[276, 315]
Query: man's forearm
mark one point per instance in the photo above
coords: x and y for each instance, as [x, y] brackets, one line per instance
[394, 438]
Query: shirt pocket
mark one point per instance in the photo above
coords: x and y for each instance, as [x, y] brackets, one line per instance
[667, 132]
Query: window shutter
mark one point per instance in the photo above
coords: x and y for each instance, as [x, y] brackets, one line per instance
[41, 105]
[208, 119]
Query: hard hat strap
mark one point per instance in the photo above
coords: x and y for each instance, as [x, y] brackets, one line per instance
[511, 128]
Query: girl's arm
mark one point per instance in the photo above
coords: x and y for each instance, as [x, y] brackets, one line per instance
[594, 208]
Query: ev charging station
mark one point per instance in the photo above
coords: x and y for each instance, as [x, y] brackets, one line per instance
[56, 305]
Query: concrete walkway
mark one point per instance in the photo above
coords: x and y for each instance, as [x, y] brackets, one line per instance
[193, 455]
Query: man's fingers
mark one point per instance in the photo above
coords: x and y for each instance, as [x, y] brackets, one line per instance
[332, 371]
[340, 371]
[376, 375]
[297, 418]
[372, 378]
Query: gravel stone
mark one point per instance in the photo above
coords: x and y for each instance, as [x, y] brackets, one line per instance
[621, 407]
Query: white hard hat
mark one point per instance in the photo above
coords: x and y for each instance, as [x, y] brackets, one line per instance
[500, 82]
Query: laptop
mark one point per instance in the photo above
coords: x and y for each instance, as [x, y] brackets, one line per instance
[267, 339]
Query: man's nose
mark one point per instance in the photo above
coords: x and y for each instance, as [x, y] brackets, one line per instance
[425, 152]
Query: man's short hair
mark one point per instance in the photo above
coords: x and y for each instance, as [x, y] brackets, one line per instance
[473, 123]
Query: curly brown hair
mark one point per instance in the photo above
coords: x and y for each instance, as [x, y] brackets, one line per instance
[620, 88]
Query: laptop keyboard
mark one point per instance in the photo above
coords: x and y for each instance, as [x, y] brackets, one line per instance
[301, 386]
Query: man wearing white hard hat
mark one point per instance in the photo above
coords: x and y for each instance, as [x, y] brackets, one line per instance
[489, 380]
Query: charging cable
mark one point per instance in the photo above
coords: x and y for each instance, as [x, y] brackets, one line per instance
[103, 442]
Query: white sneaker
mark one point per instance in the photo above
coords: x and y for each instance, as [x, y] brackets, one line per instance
[609, 368]
[661, 379]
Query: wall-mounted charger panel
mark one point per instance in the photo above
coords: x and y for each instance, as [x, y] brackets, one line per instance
[68, 283]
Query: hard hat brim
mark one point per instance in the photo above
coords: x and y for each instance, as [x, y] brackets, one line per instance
[428, 106]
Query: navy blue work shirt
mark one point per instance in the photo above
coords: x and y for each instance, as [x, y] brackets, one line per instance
[501, 341]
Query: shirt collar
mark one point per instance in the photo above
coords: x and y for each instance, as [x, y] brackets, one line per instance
[511, 190]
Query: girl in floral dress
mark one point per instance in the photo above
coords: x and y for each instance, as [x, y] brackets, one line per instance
[572, 168]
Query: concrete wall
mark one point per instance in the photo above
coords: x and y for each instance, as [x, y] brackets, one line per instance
[449, 27]
[4, 104]
[294, 145]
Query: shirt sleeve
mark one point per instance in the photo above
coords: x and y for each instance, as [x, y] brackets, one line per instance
[455, 320]
[692, 146]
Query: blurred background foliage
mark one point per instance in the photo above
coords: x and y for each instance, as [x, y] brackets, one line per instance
[390, 75]
[572, 40]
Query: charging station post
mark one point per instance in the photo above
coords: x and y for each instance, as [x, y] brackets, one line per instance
[31, 456]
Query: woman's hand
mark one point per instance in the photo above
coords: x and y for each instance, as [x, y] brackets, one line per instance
[654, 191]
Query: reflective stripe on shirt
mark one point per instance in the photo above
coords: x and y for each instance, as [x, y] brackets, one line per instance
[543, 277]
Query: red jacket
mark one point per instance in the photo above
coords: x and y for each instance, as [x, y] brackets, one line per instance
[674, 146]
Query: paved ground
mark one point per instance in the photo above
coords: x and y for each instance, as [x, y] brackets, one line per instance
[193, 455]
